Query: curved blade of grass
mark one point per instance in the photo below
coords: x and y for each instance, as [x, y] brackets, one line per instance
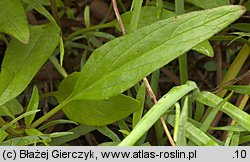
[33, 105]
[140, 97]
[108, 133]
[210, 99]
[140, 53]
[194, 134]
[165, 103]
[238, 89]
[56, 122]
[181, 134]
[13, 20]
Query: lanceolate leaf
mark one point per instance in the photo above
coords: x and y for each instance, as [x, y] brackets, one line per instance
[96, 113]
[13, 20]
[209, 3]
[22, 61]
[122, 62]
[149, 15]
[33, 105]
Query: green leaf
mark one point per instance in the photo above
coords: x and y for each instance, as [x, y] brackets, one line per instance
[96, 113]
[33, 105]
[204, 48]
[22, 61]
[194, 134]
[140, 97]
[28, 140]
[55, 122]
[238, 88]
[11, 108]
[10, 124]
[39, 8]
[13, 20]
[24, 141]
[164, 104]
[209, 3]
[212, 100]
[77, 132]
[245, 27]
[181, 134]
[109, 133]
[119, 64]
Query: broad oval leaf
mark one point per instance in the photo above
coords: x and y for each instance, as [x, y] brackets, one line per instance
[119, 64]
[22, 61]
[13, 20]
[96, 113]
[209, 3]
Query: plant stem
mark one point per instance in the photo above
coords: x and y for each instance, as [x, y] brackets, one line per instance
[54, 11]
[10, 130]
[50, 114]
[100, 26]
[179, 9]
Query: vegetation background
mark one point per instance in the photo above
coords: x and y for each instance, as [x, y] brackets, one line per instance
[125, 72]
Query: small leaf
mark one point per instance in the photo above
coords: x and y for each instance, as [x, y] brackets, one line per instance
[119, 64]
[245, 27]
[209, 3]
[204, 48]
[11, 108]
[96, 113]
[13, 20]
[22, 61]
[33, 105]
[238, 88]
